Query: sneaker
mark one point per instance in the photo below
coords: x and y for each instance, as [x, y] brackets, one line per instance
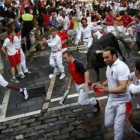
[0, 108]
[21, 76]
[62, 76]
[24, 93]
[51, 76]
[28, 72]
[98, 106]
[14, 80]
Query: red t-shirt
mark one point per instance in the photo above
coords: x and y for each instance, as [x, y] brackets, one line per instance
[126, 19]
[109, 20]
[71, 23]
[123, 4]
[46, 19]
[63, 37]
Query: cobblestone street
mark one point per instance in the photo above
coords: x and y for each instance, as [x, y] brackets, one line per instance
[43, 118]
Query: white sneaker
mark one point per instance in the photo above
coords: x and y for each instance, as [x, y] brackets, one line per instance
[51, 76]
[62, 76]
[0, 108]
[24, 93]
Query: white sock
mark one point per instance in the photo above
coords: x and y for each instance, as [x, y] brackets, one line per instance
[20, 90]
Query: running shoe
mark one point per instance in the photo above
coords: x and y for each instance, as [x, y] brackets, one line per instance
[21, 76]
[24, 92]
[98, 106]
[14, 80]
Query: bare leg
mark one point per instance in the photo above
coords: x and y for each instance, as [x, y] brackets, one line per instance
[13, 71]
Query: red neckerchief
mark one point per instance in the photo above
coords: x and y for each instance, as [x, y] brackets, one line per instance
[18, 34]
[96, 90]
[85, 25]
[10, 38]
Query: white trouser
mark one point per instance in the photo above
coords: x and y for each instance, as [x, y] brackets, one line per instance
[121, 29]
[111, 29]
[115, 115]
[129, 31]
[83, 96]
[71, 32]
[97, 35]
[56, 61]
[23, 62]
[75, 36]
[87, 42]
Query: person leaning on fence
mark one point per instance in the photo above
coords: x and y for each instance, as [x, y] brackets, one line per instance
[9, 50]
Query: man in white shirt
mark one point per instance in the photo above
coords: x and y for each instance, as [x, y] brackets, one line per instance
[22, 91]
[9, 50]
[134, 85]
[17, 45]
[66, 21]
[118, 104]
[56, 54]
[86, 30]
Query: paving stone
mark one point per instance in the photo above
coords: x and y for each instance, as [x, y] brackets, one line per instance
[21, 127]
[81, 117]
[109, 136]
[3, 127]
[19, 137]
[25, 118]
[62, 121]
[35, 107]
[50, 120]
[7, 130]
[68, 129]
[9, 122]
[83, 126]
[27, 130]
[77, 110]
[56, 127]
[31, 134]
[27, 103]
[97, 138]
[71, 138]
[37, 115]
[98, 122]
[41, 127]
[35, 124]
[15, 124]
[75, 114]
[77, 132]
[28, 121]
[54, 133]
[91, 129]
[74, 123]
[61, 137]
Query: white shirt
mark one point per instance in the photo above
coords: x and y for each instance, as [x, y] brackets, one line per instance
[135, 87]
[3, 83]
[118, 71]
[9, 46]
[66, 22]
[17, 42]
[86, 31]
[55, 43]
